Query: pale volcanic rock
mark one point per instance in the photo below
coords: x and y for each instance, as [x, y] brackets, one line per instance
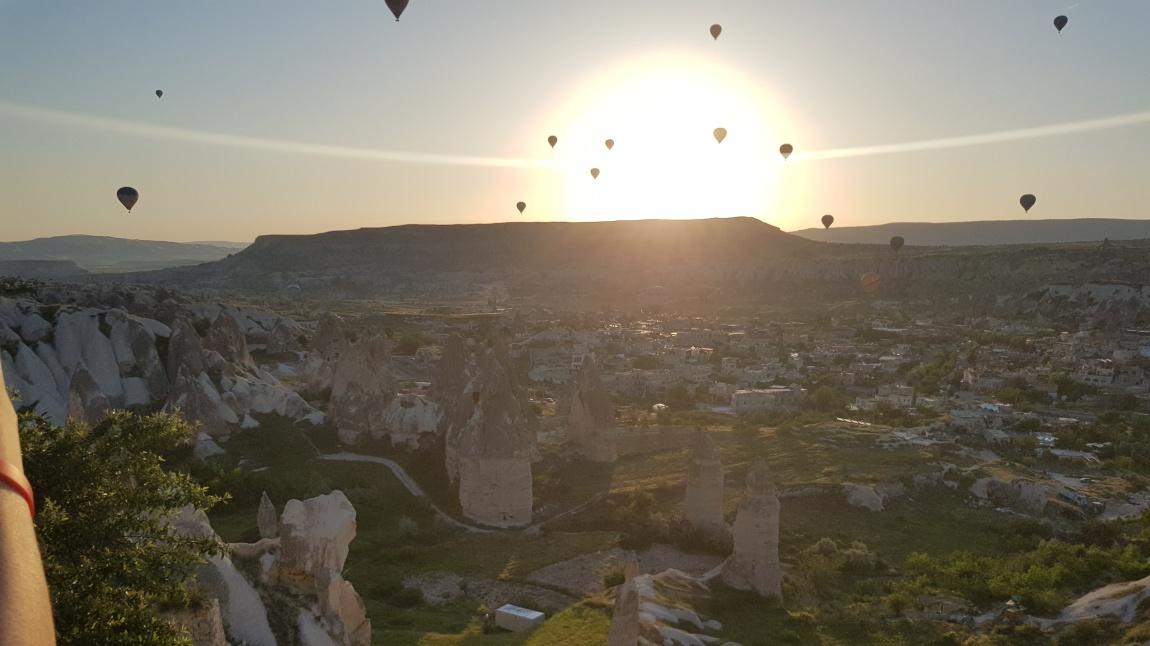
[259, 392]
[196, 396]
[86, 402]
[41, 385]
[754, 565]
[267, 520]
[864, 496]
[591, 420]
[362, 388]
[47, 355]
[79, 341]
[451, 371]
[329, 336]
[33, 328]
[625, 617]
[409, 418]
[495, 486]
[134, 343]
[184, 351]
[205, 447]
[203, 623]
[283, 338]
[704, 501]
[226, 336]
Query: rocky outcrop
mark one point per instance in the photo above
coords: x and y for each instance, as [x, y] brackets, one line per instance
[86, 402]
[266, 518]
[863, 496]
[314, 538]
[226, 336]
[79, 342]
[625, 617]
[704, 502]
[197, 398]
[1021, 495]
[41, 386]
[410, 418]
[451, 371]
[591, 420]
[495, 486]
[283, 338]
[185, 351]
[134, 344]
[203, 623]
[754, 565]
[362, 388]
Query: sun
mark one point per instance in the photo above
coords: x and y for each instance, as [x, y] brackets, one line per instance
[662, 113]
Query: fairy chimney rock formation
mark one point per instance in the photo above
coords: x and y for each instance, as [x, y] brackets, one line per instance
[754, 565]
[591, 421]
[86, 402]
[266, 518]
[451, 371]
[494, 457]
[625, 618]
[361, 390]
[704, 503]
[226, 336]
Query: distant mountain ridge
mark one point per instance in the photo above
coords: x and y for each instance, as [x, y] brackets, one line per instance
[105, 254]
[986, 232]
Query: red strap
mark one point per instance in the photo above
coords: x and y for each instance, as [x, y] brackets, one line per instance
[12, 477]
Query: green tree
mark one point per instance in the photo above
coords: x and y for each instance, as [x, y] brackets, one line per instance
[104, 497]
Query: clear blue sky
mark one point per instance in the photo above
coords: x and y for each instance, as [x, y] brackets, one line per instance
[472, 79]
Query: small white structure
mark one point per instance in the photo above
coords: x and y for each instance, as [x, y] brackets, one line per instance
[518, 620]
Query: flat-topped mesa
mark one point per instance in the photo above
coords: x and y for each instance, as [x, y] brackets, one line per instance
[591, 420]
[495, 457]
[362, 387]
[704, 501]
[754, 565]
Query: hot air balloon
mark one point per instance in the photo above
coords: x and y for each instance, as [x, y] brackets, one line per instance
[896, 243]
[610, 143]
[159, 94]
[1060, 23]
[595, 173]
[522, 206]
[828, 220]
[128, 197]
[720, 134]
[785, 150]
[716, 29]
[397, 7]
[1027, 201]
[553, 140]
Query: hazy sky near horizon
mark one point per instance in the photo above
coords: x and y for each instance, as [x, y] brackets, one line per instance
[297, 116]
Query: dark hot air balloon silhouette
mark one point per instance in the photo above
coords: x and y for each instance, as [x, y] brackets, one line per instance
[159, 94]
[397, 7]
[128, 196]
[720, 134]
[522, 206]
[1060, 23]
[610, 143]
[828, 220]
[553, 140]
[1027, 201]
[716, 29]
[785, 150]
[896, 243]
[595, 173]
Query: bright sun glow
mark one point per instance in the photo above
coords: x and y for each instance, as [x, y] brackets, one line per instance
[662, 113]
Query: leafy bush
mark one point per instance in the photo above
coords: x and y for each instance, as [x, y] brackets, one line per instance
[109, 554]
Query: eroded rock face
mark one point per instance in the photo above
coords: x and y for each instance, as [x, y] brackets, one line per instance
[362, 388]
[864, 496]
[754, 565]
[410, 418]
[204, 624]
[704, 502]
[625, 617]
[314, 539]
[283, 338]
[184, 351]
[451, 372]
[86, 402]
[495, 486]
[134, 344]
[226, 336]
[591, 421]
[79, 341]
[41, 386]
[266, 518]
[196, 396]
